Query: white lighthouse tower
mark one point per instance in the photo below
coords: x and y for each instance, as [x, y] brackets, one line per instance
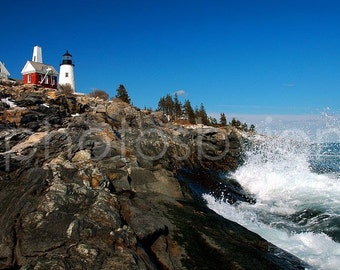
[37, 54]
[66, 74]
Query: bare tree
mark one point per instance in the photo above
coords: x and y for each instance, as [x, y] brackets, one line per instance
[99, 94]
[67, 89]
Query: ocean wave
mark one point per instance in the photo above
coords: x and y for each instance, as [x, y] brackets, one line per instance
[297, 191]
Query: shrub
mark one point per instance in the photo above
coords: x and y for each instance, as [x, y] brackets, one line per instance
[99, 94]
[66, 89]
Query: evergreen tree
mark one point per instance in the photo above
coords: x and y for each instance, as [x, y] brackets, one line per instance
[166, 105]
[236, 123]
[122, 94]
[161, 105]
[223, 119]
[212, 121]
[252, 128]
[244, 126]
[201, 115]
[177, 107]
[197, 117]
[169, 105]
[189, 112]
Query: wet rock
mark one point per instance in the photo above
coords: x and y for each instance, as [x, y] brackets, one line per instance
[200, 182]
[167, 184]
[160, 181]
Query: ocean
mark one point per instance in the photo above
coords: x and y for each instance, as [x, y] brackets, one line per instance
[297, 190]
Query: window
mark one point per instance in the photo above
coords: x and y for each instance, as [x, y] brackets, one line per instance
[29, 78]
[66, 74]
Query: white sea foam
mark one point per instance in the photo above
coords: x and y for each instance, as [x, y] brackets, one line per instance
[318, 250]
[294, 206]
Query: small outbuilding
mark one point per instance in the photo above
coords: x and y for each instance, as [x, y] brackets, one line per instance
[4, 74]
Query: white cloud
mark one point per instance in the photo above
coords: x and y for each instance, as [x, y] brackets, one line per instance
[180, 93]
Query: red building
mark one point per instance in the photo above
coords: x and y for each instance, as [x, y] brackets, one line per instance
[37, 73]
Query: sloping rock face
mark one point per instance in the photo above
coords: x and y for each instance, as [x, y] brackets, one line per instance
[88, 184]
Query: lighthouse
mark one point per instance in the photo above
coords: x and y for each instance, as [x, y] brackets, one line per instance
[66, 74]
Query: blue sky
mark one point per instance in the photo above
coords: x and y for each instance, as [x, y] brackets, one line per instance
[240, 57]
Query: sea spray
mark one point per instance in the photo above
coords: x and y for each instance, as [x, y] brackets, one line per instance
[317, 249]
[298, 204]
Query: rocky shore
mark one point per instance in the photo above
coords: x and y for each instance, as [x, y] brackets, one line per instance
[93, 184]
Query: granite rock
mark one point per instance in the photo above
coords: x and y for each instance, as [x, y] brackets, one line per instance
[92, 184]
